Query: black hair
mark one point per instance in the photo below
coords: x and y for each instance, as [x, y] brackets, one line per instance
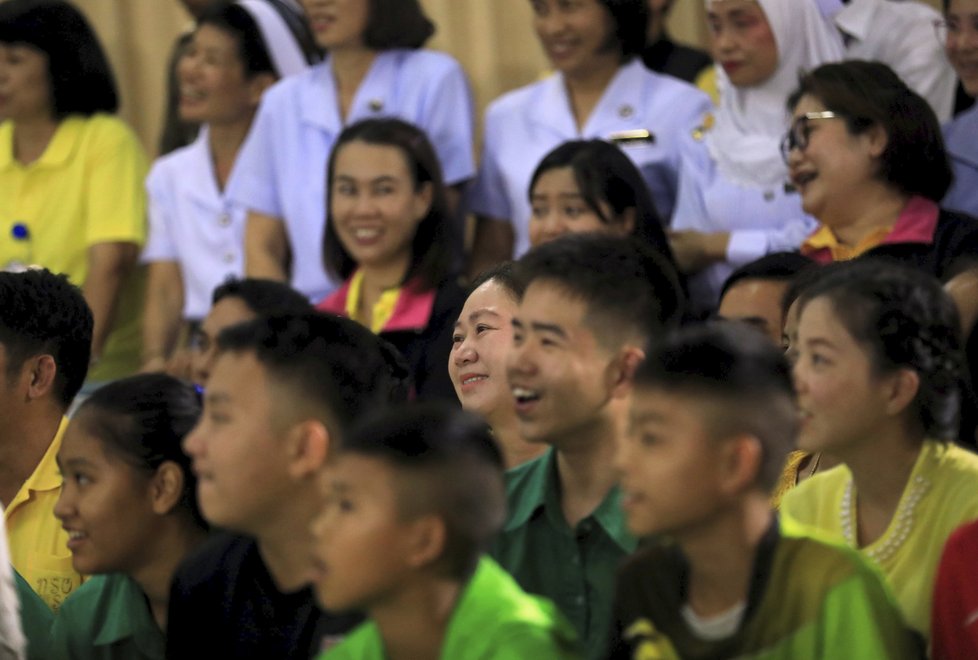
[607, 179]
[868, 94]
[431, 248]
[626, 286]
[453, 467]
[778, 266]
[43, 313]
[81, 80]
[905, 320]
[504, 274]
[631, 20]
[335, 364]
[397, 24]
[737, 370]
[143, 420]
[263, 297]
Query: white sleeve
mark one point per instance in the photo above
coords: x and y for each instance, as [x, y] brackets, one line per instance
[12, 642]
[254, 183]
[159, 243]
[449, 122]
[488, 195]
[746, 245]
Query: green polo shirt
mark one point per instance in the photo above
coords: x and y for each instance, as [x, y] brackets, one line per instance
[35, 619]
[493, 620]
[108, 617]
[574, 567]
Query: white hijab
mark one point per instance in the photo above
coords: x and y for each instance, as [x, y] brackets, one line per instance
[751, 120]
[283, 48]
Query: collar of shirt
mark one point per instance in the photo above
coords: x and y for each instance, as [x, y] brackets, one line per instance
[855, 20]
[200, 171]
[46, 475]
[411, 312]
[620, 106]
[58, 152]
[916, 224]
[128, 616]
[543, 493]
[319, 101]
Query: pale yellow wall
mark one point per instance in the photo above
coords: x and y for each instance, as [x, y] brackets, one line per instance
[493, 40]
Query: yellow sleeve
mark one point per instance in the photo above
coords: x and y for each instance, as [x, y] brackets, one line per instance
[116, 168]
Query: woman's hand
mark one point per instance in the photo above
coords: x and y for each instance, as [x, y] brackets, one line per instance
[695, 250]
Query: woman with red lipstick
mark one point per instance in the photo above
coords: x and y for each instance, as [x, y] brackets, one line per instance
[388, 240]
[734, 206]
[196, 238]
[877, 373]
[130, 508]
[600, 89]
[959, 34]
[375, 67]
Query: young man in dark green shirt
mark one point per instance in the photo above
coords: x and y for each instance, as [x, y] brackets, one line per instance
[591, 304]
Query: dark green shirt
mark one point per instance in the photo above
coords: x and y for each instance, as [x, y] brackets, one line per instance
[574, 567]
[35, 619]
[108, 618]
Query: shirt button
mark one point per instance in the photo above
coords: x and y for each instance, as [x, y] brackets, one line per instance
[229, 258]
[224, 220]
[576, 560]
[579, 600]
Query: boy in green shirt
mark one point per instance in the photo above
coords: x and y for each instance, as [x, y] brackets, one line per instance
[411, 503]
[712, 420]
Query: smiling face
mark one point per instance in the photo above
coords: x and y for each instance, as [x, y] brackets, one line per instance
[105, 504]
[481, 342]
[213, 85]
[742, 41]
[237, 451]
[375, 206]
[841, 397]
[560, 376]
[25, 87]
[962, 42]
[835, 166]
[668, 465]
[337, 23]
[577, 35]
[361, 538]
[559, 208]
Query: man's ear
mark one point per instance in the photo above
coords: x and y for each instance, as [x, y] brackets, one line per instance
[308, 445]
[739, 458]
[42, 372]
[622, 370]
[166, 488]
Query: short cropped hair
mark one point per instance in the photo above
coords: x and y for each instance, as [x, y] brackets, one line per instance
[450, 465]
[397, 24]
[143, 420]
[631, 292]
[79, 74]
[263, 297]
[44, 314]
[335, 365]
[904, 320]
[504, 274]
[740, 375]
[777, 267]
[868, 94]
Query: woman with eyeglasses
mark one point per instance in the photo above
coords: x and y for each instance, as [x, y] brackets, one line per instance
[733, 203]
[959, 34]
[866, 155]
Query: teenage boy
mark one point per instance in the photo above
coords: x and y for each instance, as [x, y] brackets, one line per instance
[713, 417]
[45, 348]
[281, 391]
[411, 504]
[590, 305]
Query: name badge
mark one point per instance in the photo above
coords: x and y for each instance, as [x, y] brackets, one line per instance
[633, 137]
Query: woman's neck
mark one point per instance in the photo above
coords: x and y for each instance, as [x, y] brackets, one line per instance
[878, 207]
[225, 140]
[350, 67]
[587, 85]
[32, 137]
[171, 546]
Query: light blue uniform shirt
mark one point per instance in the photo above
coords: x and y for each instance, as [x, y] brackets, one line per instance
[281, 170]
[524, 125]
[194, 223]
[961, 136]
[760, 220]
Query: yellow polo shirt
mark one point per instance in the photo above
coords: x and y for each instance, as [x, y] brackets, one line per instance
[38, 544]
[86, 188]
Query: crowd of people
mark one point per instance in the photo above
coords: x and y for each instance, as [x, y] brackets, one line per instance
[680, 364]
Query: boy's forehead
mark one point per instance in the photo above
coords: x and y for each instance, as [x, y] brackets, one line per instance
[548, 300]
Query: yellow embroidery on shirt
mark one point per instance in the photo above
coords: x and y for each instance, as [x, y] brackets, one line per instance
[708, 122]
[648, 642]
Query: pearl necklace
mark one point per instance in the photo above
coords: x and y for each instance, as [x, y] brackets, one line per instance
[901, 525]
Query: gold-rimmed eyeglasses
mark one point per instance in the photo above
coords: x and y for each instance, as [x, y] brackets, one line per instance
[797, 136]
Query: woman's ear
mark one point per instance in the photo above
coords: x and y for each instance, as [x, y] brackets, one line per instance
[902, 389]
[877, 140]
[627, 221]
[423, 198]
[166, 487]
[257, 85]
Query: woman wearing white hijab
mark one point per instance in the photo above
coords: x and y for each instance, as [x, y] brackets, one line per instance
[734, 203]
[196, 238]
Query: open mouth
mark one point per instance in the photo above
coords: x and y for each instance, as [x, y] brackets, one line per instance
[469, 380]
[524, 396]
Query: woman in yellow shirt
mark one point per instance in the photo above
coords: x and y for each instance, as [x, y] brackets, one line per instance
[877, 374]
[71, 174]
